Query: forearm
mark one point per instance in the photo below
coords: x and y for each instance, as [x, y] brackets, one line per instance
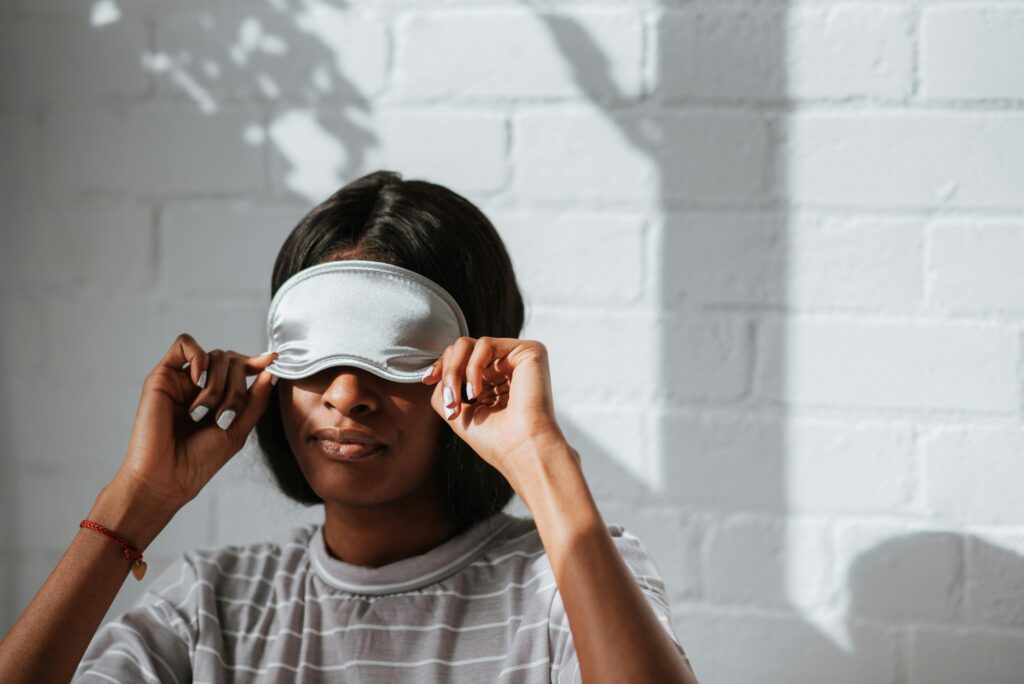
[48, 640]
[616, 633]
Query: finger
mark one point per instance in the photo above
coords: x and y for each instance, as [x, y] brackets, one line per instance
[256, 403]
[476, 366]
[255, 364]
[233, 397]
[454, 372]
[185, 350]
[211, 395]
[431, 375]
[491, 374]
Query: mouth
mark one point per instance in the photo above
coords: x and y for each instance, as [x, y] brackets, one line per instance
[347, 451]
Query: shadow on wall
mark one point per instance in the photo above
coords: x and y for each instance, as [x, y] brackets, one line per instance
[933, 607]
[720, 222]
[295, 52]
[929, 607]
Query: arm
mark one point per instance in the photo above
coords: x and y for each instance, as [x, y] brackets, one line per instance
[616, 634]
[51, 635]
[168, 463]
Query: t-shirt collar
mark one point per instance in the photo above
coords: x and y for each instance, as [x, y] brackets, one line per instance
[410, 573]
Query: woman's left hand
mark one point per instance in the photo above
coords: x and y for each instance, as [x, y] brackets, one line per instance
[512, 411]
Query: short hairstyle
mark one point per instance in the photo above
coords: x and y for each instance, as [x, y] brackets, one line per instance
[437, 233]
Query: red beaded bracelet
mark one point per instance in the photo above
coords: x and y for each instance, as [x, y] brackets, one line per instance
[130, 552]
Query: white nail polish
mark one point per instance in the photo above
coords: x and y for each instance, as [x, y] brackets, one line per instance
[198, 412]
[202, 379]
[448, 412]
[469, 390]
[224, 422]
[449, 398]
[187, 364]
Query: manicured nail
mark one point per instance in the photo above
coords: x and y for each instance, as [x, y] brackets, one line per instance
[427, 373]
[202, 379]
[198, 412]
[224, 422]
[273, 379]
[185, 367]
[469, 390]
[449, 396]
[448, 412]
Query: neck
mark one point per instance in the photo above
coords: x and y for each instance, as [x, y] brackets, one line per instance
[372, 536]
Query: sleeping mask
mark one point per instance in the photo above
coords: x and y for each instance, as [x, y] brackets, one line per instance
[372, 315]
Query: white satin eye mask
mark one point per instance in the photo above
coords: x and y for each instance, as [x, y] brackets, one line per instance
[372, 315]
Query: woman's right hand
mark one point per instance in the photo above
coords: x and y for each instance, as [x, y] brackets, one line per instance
[170, 456]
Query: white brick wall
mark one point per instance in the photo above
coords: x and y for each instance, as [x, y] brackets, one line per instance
[775, 249]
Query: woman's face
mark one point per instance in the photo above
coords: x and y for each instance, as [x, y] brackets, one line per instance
[395, 413]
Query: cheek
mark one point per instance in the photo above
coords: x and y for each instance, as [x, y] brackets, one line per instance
[291, 417]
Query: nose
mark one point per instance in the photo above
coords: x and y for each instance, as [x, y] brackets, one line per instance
[351, 391]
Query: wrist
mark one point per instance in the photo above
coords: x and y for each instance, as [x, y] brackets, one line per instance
[555, 491]
[130, 514]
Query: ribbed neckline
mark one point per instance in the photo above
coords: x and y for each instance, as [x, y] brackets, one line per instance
[410, 573]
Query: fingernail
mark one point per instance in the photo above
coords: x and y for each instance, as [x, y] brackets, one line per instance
[202, 379]
[185, 367]
[427, 373]
[224, 422]
[198, 412]
[449, 396]
[469, 390]
[448, 412]
[273, 379]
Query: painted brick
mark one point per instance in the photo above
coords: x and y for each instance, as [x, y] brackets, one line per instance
[975, 266]
[800, 261]
[575, 258]
[128, 150]
[22, 343]
[970, 476]
[897, 574]
[314, 152]
[949, 656]
[223, 250]
[88, 247]
[706, 158]
[995, 579]
[890, 365]
[88, 434]
[905, 159]
[716, 367]
[93, 61]
[314, 52]
[972, 52]
[724, 462]
[519, 53]
[766, 53]
[849, 467]
[746, 556]
[783, 648]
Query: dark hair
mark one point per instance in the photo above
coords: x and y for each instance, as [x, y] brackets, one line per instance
[437, 233]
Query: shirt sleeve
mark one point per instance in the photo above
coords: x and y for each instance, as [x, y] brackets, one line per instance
[565, 667]
[153, 640]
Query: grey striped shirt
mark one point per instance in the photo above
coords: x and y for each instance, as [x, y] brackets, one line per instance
[480, 607]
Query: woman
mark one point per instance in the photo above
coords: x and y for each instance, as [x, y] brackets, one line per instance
[416, 574]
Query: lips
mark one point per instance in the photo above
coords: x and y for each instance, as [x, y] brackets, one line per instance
[347, 445]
